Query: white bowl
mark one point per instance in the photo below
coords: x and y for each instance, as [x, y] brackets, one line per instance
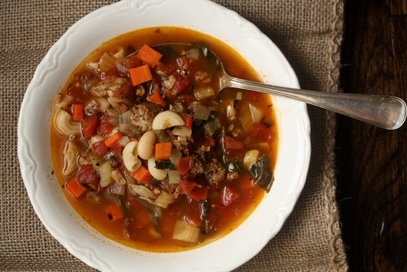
[46, 196]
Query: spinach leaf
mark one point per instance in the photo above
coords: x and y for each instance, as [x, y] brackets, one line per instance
[261, 173]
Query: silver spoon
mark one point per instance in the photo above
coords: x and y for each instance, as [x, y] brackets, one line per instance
[388, 112]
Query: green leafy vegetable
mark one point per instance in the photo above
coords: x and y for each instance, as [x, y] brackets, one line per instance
[261, 173]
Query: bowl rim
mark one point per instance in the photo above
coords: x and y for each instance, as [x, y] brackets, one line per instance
[31, 149]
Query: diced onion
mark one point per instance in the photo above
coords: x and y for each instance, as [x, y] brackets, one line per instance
[96, 138]
[140, 190]
[164, 199]
[176, 156]
[202, 113]
[124, 118]
[204, 93]
[64, 101]
[124, 141]
[193, 53]
[185, 232]
[212, 126]
[239, 96]
[95, 160]
[256, 113]
[250, 157]
[174, 176]
[182, 131]
[107, 62]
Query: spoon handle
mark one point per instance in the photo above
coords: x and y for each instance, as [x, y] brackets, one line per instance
[388, 112]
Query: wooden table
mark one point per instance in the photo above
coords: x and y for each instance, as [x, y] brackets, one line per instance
[372, 189]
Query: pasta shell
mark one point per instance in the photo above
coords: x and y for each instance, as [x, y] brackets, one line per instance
[70, 155]
[130, 156]
[65, 125]
[167, 119]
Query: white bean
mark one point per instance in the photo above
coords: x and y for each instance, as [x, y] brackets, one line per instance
[145, 147]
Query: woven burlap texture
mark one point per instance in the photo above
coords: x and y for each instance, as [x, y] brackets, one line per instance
[309, 33]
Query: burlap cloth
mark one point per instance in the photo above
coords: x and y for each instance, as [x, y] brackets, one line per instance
[309, 32]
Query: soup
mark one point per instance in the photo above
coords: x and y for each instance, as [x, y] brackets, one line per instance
[149, 154]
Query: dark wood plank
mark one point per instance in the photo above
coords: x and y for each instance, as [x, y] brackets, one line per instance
[372, 189]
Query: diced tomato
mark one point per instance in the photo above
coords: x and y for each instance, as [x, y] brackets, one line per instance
[186, 63]
[187, 119]
[233, 144]
[199, 193]
[229, 195]
[193, 214]
[187, 186]
[105, 127]
[88, 176]
[251, 96]
[209, 142]
[132, 62]
[262, 133]
[181, 83]
[89, 126]
[99, 148]
[185, 164]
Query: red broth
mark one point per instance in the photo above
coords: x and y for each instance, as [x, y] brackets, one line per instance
[217, 152]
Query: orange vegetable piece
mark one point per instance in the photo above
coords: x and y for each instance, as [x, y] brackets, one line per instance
[140, 75]
[77, 112]
[149, 55]
[75, 188]
[113, 139]
[157, 98]
[114, 212]
[142, 175]
[162, 151]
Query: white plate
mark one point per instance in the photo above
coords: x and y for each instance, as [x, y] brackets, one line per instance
[46, 196]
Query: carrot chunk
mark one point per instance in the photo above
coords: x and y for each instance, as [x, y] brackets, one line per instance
[75, 188]
[157, 98]
[149, 55]
[140, 74]
[77, 112]
[113, 139]
[142, 175]
[114, 212]
[162, 151]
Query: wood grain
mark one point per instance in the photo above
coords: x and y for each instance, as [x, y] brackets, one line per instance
[371, 162]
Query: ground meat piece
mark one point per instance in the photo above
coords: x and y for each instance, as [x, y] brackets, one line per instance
[83, 159]
[173, 189]
[143, 115]
[140, 91]
[215, 172]
[183, 144]
[197, 169]
[92, 108]
[203, 77]
[232, 176]
[155, 88]
[178, 107]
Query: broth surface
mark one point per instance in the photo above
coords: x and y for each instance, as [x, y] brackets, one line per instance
[198, 205]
